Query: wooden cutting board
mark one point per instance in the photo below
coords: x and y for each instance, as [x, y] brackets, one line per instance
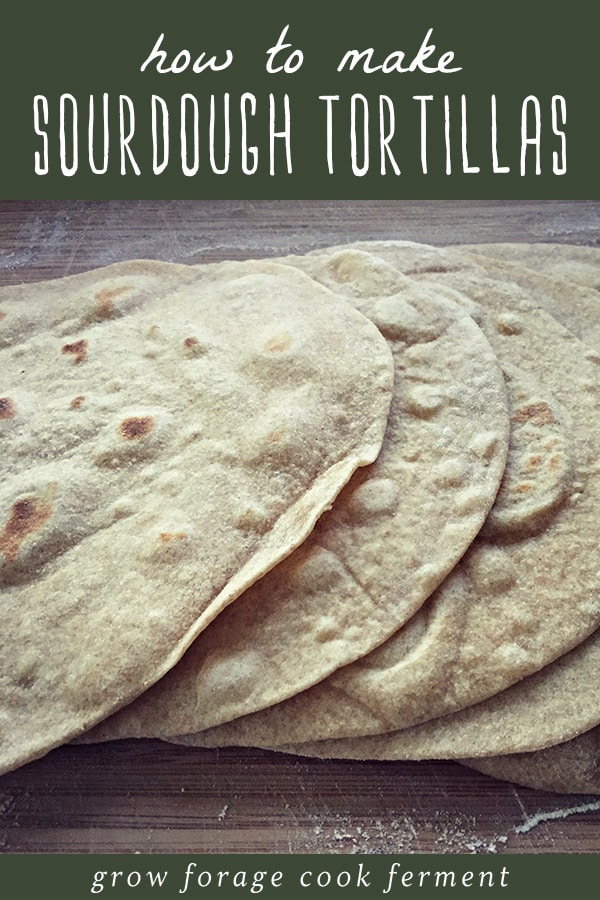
[150, 796]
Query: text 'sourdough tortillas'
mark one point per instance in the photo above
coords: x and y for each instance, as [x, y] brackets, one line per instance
[392, 535]
[168, 434]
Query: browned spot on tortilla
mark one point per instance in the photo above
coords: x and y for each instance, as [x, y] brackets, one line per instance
[2, 315]
[523, 488]
[78, 349]
[76, 402]
[193, 347]
[136, 427]
[168, 536]
[536, 413]
[26, 517]
[534, 461]
[105, 300]
[7, 408]
[278, 343]
[275, 436]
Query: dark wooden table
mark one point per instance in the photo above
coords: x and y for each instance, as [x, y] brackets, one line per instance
[150, 796]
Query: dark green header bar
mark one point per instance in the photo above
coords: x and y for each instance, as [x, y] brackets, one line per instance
[441, 99]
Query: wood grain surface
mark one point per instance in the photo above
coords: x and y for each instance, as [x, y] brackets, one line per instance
[150, 796]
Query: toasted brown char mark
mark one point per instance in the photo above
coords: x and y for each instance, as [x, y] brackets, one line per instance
[76, 402]
[278, 343]
[105, 300]
[276, 436]
[26, 517]
[2, 315]
[193, 348]
[554, 462]
[78, 349]
[167, 536]
[7, 408]
[537, 413]
[136, 427]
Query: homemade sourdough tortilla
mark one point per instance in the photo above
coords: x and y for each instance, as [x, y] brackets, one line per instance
[392, 535]
[569, 768]
[552, 706]
[574, 305]
[525, 592]
[168, 435]
[580, 265]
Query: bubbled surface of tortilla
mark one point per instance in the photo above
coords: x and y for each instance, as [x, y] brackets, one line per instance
[547, 708]
[565, 262]
[527, 589]
[392, 534]
[168, 435]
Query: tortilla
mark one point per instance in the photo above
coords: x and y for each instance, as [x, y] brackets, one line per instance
[544, 709]
[392, 535]
[168, 435]
[574, 305]
[579, 265]
[569, 768]
[525, 592]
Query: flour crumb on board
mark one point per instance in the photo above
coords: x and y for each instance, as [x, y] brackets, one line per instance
[477, 845]
[536, 819]
[403, 834]
[223, 813]
[341, 834]
[459, 834]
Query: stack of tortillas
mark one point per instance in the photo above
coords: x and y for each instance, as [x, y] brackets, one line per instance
[341, 505]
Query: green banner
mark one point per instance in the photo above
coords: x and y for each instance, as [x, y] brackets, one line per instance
[271, 99]
[123, 877]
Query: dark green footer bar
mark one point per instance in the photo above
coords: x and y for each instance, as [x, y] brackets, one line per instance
[322, 876]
